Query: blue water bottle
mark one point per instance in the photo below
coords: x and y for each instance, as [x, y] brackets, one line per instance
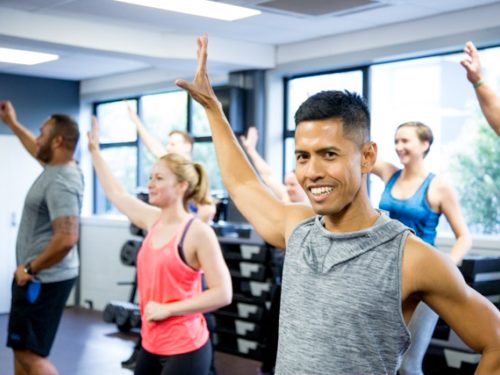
[33, 290]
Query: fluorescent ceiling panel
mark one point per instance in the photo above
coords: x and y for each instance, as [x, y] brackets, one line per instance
[203, 8]
[19, 56]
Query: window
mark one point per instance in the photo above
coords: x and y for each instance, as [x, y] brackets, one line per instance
[465, 152]
[118, 142]
[432, 90]
[160, 113]
[203, 150]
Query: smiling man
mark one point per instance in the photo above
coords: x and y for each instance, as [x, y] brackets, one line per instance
[352, 276]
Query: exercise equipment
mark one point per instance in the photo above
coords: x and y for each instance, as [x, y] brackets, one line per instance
[125, 315]
[129, 251]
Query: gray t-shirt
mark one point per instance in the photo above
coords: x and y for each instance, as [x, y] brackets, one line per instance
[56, 193]
[340, 308]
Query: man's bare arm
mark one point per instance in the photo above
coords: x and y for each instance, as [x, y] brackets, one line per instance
[488, 100]
[258, 205]
[65, 235]
[153, 145]
[249, 142]
[439, 283]
[9, 117]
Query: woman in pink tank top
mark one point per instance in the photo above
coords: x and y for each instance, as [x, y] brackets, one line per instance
[177, 249]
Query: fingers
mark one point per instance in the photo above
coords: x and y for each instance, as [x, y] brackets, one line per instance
[466, 64]
[95, 125]
[93, 135]
[4, 106]
[252, 132]
[129, 107]
[202, 42]
[182, 84]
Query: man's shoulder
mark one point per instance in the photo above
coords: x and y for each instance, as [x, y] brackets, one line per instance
[416, 245]
[299, 215]
[66, 175]
[419, 257]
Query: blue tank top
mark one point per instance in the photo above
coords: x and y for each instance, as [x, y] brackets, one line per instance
[414, 212]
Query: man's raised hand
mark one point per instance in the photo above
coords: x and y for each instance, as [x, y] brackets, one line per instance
[200, 89]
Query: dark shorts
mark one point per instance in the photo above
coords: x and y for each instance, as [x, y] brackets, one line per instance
[35, 315]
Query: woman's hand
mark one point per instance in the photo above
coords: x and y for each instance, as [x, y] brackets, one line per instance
[155, 311]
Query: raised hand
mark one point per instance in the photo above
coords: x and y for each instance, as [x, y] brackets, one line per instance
[200, 89]
[7, 112]
[131, 112]
[250, 140]
[471, 63]
[93, 136]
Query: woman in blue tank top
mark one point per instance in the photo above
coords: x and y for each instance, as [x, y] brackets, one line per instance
[417, 198]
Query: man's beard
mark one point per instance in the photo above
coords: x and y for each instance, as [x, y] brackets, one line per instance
[44, 153]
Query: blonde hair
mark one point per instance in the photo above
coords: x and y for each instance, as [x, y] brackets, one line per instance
[424, 133]
[192, 173]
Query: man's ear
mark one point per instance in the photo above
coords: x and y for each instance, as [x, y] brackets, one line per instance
[368, 156]
[58, 141]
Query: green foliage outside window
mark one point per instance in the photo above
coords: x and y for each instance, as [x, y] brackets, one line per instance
[477, 170]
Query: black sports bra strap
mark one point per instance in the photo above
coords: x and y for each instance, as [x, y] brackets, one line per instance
[180, 246]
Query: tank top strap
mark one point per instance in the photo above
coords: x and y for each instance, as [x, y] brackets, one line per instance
[180, 244]
[184, 232]
[393, 179]
[422, 190]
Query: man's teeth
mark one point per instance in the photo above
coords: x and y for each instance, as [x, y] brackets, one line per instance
[321, 190]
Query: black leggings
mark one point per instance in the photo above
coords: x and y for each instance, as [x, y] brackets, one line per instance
[193, 363]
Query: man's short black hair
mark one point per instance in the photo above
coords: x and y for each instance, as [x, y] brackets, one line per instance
[344, 105]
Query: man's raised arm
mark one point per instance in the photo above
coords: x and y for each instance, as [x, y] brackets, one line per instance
[153, 145]
[488, 100]
[265, 212]
[8, 116]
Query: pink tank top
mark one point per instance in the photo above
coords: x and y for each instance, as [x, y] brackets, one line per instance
[163, 277]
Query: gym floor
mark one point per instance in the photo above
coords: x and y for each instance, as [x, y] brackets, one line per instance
[86, 345]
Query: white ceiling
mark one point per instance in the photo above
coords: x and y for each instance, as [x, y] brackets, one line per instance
[97, 38]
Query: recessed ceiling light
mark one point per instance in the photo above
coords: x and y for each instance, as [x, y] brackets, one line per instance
[19, 56]
[203, 8]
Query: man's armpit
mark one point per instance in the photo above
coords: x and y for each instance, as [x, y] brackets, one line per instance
[67, 225]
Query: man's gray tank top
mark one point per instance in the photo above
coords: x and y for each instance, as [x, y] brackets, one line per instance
[341, 300]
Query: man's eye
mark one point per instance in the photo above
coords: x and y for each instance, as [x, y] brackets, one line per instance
[300, 157]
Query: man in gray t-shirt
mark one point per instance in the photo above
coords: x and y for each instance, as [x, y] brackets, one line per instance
[47, 259]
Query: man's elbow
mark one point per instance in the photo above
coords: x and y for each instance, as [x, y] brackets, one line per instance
[67, 242]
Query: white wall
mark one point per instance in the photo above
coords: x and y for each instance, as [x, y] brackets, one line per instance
[481, 245]
[101, 269]
[18, 170]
